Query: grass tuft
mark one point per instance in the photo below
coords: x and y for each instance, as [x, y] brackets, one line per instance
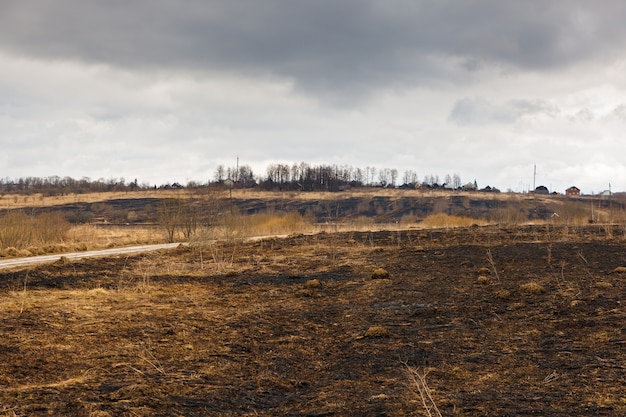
[483, 279]
[380, 273]
[377, 332]
[532, 288]
[503, 294]
[313, 283]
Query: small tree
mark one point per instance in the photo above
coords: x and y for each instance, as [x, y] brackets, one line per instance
[169, 214]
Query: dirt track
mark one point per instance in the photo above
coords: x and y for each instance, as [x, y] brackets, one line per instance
[304, 327]
[33, 260]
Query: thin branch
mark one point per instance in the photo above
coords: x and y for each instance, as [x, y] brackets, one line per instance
[493, 264]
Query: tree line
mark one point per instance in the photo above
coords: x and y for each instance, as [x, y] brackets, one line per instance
[56, 185]
[277, 177]
[308, 177]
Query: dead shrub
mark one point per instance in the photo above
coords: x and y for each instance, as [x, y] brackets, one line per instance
[512, 215]
[20, 231]
[619, 270]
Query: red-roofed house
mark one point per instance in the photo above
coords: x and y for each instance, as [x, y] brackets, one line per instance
[572, 191]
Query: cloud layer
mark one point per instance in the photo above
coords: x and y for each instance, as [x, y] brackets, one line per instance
[161, 89]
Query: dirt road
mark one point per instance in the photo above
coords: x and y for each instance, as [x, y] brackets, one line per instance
[31, 260]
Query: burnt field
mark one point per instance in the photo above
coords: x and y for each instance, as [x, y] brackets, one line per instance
[499, 322]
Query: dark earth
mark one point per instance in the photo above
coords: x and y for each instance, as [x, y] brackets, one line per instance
[523, 321]
[382, 209]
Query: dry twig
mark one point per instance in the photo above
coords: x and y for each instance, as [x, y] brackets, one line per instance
[419, 380]
[493, 264]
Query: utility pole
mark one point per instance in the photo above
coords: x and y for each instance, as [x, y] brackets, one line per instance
[610, 198]
[534, 177]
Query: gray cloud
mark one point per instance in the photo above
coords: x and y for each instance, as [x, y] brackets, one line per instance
[479, 111]
[165, 90]
[326, 46]
[618, 113]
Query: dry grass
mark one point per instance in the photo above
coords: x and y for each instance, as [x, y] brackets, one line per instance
[377, 331]
[418, 380]
[532, 288]
[285, 332]
[89, 237]
[20, 231]
[373, 192]
[94, 237]
[267, 224]
[447, 221]
[380, 273]
[14, 201]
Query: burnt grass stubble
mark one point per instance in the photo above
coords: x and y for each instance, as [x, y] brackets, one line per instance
[177, 333]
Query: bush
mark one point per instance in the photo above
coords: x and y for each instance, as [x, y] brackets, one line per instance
[20, 231]
[79, 217]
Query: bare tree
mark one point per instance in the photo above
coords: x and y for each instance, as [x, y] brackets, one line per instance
[220, 172]
[456, 181]
[409, 177]
[169, 215]
[383, 176]
[394, 176]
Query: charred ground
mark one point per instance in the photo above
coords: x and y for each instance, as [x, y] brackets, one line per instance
[382, 206]
[518, 321]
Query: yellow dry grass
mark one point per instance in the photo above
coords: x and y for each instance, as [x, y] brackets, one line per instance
[445, 220]
[100, 237]
[15, 201]
[371, 192]
[532, 288]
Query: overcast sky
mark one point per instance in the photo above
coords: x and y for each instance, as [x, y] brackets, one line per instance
[165, 90]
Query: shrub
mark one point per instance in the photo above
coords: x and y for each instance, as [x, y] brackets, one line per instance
[79, 217]
[511, 215]
[50, 228]
[21, 231]
[15, 230]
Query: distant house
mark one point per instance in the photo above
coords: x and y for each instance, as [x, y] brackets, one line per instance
[572, 191]
[542, 189]
[489, 189]
[470, 186]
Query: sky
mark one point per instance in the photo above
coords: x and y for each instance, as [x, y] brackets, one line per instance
[166, 90]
